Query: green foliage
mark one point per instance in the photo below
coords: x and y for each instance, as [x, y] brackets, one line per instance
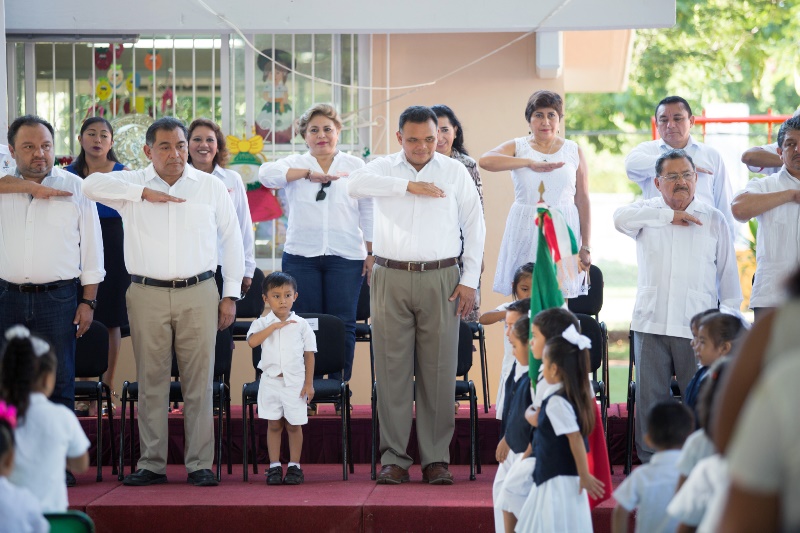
[719, 51]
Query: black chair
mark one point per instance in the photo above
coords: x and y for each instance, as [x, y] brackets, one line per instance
[464, 391]
[631, 406]
[91, 361]
[363, 327]
[591, 304]
[479, 335]
[598, 358]
[329, 359]
[221, 401]
[251, 306]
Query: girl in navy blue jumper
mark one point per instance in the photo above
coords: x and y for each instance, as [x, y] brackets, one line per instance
[560, 502]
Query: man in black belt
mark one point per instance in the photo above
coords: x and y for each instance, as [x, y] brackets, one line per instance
[174, 215]
[50, 238]
[424, 202]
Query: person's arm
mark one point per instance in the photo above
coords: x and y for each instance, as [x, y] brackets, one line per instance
[473, 231]
[757, 159]
[229, 235]
[80, 464]
[491, 317]
[739, 379]
[749, 205]
[278, 174]
[14, 185]
[747, 510]
[308, 386]
[592, 485]
[504, 158]
[257, 338]
[501, 452]
[584, 210]
[113, 189]
[374, 180]
[631, 219]
[619, 519]
[685, 528]
[640, 164]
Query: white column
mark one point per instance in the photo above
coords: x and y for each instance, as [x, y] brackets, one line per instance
[549, 54]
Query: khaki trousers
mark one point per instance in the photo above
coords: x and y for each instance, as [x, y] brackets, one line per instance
[415, 333]
[185, 318]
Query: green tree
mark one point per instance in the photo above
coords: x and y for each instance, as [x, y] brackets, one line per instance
[718, 51]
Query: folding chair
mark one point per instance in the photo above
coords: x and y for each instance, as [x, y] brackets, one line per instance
[221, 401]
[363, 327]
[478, 335]
[329, 359]
[631, 406]
[597, 355]
[91, 361]
[70, 522]
[251, 306]
[464, 391]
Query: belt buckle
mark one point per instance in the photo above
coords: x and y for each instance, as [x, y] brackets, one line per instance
[422, 267]
[409, 266]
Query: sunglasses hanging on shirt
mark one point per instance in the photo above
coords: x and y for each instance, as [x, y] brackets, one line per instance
[321, 194]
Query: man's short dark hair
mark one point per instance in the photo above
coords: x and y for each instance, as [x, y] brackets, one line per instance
[520, 306]
[276, 280]
[668, 424]
[418, 114]
[166, 124]
[27, 120]
[674, 100]
[791, 124]
[552, 322]
[672, 154]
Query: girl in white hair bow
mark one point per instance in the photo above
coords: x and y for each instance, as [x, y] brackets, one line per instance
[48, 436]
[560, 501]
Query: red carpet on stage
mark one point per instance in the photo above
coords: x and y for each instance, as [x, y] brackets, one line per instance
[324, 502]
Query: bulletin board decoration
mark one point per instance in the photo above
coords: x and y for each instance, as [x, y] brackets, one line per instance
[153, 62]
[103, 56]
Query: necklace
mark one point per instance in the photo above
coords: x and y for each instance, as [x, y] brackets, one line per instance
[548, 150]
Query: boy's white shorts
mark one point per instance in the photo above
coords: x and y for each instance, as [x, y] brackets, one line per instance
[276, 400]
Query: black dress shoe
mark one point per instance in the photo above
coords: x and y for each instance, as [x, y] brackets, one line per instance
[202, 478]
[71, 481]
[143, 478]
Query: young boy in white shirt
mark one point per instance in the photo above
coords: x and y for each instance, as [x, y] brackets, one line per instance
[287, 380]
[651, 486]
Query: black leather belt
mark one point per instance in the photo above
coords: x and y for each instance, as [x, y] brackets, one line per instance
[172, 283]
[416, 266]
[32, 287]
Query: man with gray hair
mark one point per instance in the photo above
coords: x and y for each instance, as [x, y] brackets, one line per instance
[174, 215]
[686, 264]
[774, 202]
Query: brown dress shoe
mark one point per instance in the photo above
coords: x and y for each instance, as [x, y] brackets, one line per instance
[393, 475]
[437, 474]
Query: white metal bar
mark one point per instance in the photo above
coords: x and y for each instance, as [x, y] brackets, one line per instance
[272, 129]
[155, 105]
[249, 86]
[225, 84]
[112, 50]
[313, 68]
[13, 90]
[175, 75]
[388, 92]
[74, 115]
[133, 79]
[30, 78]
[213, 79]
[194, 77]
[94, 83]
[336, 57]
[352, 93]
[365, 96]
[293, 100]
[53, 89]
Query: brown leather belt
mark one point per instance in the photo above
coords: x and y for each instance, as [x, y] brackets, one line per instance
[415, 266]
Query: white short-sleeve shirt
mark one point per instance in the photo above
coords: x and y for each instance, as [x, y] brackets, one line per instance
[560, 412]
[20, 511]
[46, 436]
[283, 351]
[696, 448]
[649, 490]
[702, 497]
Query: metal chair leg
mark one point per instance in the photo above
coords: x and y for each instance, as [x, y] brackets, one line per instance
[343, 405]
[121, 471]
[99, 403]
[245, 443]
[221, 408]
[112, 440]
[228, 427]
[253, 438]
[374, 461]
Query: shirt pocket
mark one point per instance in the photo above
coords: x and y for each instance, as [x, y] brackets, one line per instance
[61, 213]
[697, 302]
[645, 307]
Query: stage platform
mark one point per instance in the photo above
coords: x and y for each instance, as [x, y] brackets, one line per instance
[324, 503]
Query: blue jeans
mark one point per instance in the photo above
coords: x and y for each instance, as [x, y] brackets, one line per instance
[49, 315]
[329, 284]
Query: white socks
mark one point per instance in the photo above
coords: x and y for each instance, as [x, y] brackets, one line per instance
[294, 464]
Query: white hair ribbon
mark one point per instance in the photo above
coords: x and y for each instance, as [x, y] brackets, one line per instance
[581, 341]
[40, 347]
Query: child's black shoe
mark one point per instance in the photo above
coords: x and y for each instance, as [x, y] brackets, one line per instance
[294, 476]
[274, 475]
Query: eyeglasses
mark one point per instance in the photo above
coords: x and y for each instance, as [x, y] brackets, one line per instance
[685, 176]
[321, 194]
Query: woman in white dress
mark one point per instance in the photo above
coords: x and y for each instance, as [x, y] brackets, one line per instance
[542, 158]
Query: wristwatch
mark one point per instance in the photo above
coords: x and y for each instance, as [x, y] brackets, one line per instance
[90, 303]
[587, 248]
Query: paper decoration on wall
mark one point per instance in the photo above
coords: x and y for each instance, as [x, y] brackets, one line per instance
[247, 159]
[103, 58]
[152, 62]
[103, 89]
[274, 122]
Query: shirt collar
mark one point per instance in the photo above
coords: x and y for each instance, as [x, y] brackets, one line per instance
[271, 318]
[665, 147]
[664, 456]
[521, 370]
[188, 172]
[401, 160]
[554, 388]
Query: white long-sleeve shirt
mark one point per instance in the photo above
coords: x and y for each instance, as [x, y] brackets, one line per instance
[233, 182]
[338, 225]
[712, 189]
[42, 241]
[682, 269]
[173, 240]
[411, 227]
[777, 240]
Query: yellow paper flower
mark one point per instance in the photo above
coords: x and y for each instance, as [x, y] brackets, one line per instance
[103, 89]
[253, 145]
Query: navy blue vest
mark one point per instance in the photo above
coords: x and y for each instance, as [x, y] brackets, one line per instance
[692, 391]
[552, 452]
[518, 431]
[508, 387]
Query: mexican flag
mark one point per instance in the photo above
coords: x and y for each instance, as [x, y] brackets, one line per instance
[556, 252]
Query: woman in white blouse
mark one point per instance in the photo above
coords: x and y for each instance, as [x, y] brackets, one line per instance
[328, 245]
